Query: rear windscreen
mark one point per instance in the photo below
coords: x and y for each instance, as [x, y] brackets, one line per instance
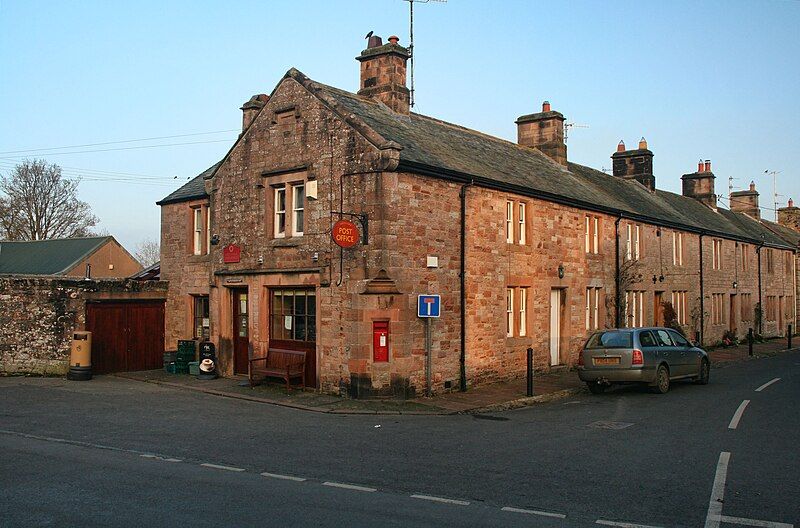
[612, 339]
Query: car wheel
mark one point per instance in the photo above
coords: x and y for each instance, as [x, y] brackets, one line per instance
[661, 385]
[596, 388]
[705, 373]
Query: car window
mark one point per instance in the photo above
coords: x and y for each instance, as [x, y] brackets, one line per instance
[646, 339]
[679, 339]
[662, 336]
[611, 339]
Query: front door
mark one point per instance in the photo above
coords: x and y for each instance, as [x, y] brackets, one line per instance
[658, 308]
[241, 332]
[555, 326]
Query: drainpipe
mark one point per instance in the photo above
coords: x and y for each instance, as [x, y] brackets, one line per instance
[702, 295]
[463, 293]
[760, 304]
[617, 320]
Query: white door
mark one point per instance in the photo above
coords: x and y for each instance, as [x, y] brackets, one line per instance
[555, 327]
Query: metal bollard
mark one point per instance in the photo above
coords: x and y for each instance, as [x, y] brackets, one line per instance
[750, 341]
[530, 372]
[789, 333]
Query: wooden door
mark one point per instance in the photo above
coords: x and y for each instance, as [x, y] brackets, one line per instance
[241, 332]
[555, 326]
[126, 336]
[658, 309]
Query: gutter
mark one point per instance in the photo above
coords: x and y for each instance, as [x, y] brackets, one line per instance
[702, 295]
[760, 303]
[617, 279]
[463, 292]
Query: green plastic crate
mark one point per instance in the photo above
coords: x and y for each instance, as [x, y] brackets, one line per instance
[171, 367]
[194, 368]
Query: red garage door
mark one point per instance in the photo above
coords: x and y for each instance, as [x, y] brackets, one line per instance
[126, 335]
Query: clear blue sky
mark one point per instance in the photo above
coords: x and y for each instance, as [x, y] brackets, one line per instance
[717, 80]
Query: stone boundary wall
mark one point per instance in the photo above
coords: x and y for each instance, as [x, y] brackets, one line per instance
[39, 314]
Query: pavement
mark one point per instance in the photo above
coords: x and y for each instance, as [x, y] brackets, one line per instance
[490, 397]
[117, 452]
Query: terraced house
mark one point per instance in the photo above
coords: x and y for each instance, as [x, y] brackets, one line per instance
[525, 247]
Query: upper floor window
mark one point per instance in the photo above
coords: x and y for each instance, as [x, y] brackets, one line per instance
[744, 249]
[768, 259]
[298, 209]
[201, 230]
[280, 212]
[510, 222]
[787, 262]
[592, 234]
[677, 248]
[521, 223]
[633, 246]
[716, 254]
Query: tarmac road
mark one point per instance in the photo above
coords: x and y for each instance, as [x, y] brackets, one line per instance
[114, 452]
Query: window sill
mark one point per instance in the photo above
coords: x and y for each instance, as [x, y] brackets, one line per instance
[286, 242]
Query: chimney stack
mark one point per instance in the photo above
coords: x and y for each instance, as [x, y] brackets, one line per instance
[789, 216]
[634, 164]
[544, 131]
[251, 108]
[746, 202]
[700, 185]
[383, 73]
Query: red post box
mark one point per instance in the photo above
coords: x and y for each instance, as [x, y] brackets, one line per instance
[380, 340]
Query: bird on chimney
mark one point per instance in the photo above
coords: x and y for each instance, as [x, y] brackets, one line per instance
[368, 35]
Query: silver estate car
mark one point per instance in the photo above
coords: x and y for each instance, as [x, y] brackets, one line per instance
[653, 356]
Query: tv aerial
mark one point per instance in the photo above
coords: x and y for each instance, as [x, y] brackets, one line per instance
[411, 41]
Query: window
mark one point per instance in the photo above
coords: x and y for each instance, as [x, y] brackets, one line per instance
[768, 259]
[592, 235]
[522, 224]
[280, 212]
[744, 251]
[294, 315]
[677, 248]
[200, 317]
[633, 247]
[509, 312]
[772, 308]
[208, 230]
[716, 254]
[646, 339]
[678, 339]
[679, 305]
[592, 308]
[787, 263]
[634, 305]
[717, 308]
[298, 213]
[197, 243]
[523, 311]
[663, 338]
[510, 222]
[746, 306]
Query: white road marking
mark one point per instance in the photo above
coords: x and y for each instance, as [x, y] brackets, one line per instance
[283, 477]
[163, 459]
[533, 512]
[767, 384]
[718, 491]
[738, 415]
[440, 499]
[753, 522]
[349, 486]
[226, 468]
[623, 524]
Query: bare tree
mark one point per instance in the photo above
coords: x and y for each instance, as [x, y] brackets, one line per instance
[37, 203]
[147, 252]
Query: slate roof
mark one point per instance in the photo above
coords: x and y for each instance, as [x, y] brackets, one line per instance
[434, 147]
[47, 257]
[192, 189]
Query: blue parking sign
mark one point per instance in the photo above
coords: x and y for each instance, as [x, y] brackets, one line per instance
[429, 306]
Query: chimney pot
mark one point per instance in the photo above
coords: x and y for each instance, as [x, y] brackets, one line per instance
[700, 166]
[546, 106]
[643, 144]
[708, 166]
[621, 146]
[752, 186]
[791, 202]
[394, 39]
[374, 42]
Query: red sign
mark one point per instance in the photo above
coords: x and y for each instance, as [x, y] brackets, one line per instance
[231, 253]
[345, 234]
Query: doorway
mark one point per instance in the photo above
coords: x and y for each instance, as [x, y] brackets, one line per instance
[658, 308]
[556, 317]
[241, 332]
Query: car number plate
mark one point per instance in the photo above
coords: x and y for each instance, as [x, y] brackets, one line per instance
[606, 361]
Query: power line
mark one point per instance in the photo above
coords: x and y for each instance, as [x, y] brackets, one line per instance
[98, 172]
[119, 142]
[123, 148]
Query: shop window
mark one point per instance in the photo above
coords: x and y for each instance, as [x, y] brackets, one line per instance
[293, 315]
[201, 318]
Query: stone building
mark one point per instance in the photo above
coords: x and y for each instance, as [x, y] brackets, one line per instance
[526, 248]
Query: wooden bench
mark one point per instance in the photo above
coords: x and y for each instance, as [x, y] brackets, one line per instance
[279, 363]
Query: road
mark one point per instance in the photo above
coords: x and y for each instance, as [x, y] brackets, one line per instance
[114, 452]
